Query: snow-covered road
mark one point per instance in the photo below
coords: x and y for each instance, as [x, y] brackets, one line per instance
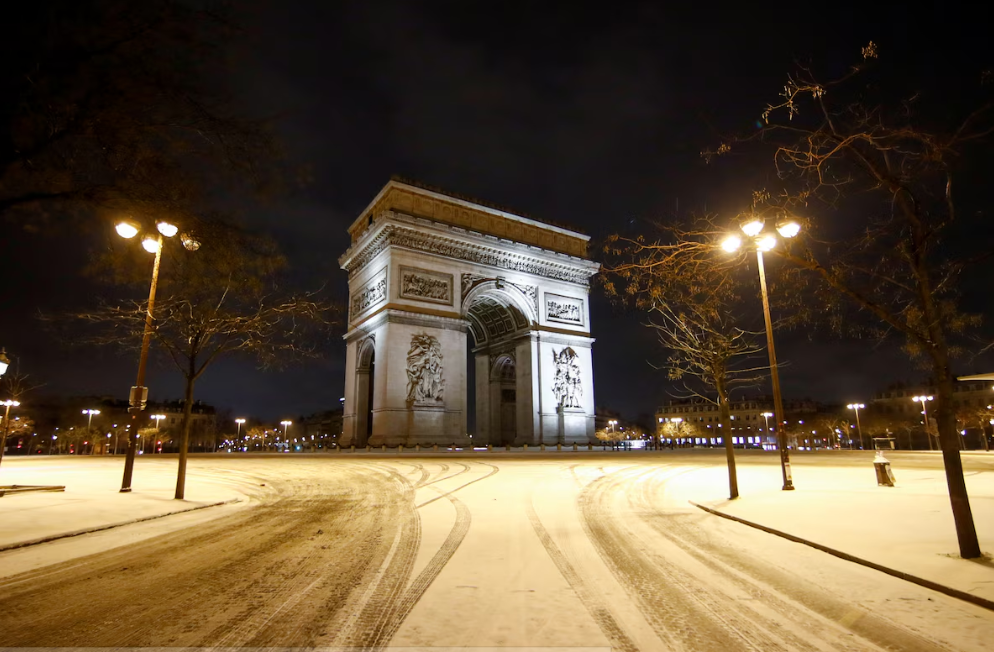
[585, 551]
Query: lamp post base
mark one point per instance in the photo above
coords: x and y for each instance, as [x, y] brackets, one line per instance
[127, 490]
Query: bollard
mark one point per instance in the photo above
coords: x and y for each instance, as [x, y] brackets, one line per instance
[885, 478]
[417, 448]
[369, 448]
[435, 447]
[400, 448]
[574, 446]
[559, 447]
[542, 447]
[590, 447]
[353, 448]
[526, 447]
[384, 448]
[508, 448]
[490, 448]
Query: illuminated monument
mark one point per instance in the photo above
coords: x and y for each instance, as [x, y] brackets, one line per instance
[424, 269]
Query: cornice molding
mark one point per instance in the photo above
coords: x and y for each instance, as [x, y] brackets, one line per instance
[394, 229]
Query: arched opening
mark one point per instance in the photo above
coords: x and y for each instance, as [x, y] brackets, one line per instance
[504, 382]
[365, 382]
[498, 319]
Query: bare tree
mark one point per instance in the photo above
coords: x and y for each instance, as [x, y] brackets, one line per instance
[219, 302]
[690, 298]
[890, 169]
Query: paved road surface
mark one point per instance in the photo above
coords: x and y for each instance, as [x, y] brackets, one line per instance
[586, 550]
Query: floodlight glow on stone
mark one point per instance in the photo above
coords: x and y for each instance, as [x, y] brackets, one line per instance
[752, 228]
[789, 229]
[167, 229]
[731, 243]
[151, 244]
[766, 243]
[126, 230]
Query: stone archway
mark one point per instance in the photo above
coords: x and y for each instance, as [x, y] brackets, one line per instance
[365, 384]
[426, 268]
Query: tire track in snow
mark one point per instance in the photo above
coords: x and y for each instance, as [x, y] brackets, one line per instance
[598, 610]
[679, 608]
[771, 584]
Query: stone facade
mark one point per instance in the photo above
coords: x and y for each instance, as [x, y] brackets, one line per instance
[419, 285]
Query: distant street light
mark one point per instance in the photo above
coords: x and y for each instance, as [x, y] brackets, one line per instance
[922, 399]
[152, 243]
[89, 417]
[285, 424]
[6, 424]
[767, 415]
[612, 423]
[238, 426]
[157, 418]
[859, 429]
[753, 228]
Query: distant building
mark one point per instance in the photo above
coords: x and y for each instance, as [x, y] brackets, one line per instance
[203, 417]
[322, 429]
[898, 398]
[749, 427]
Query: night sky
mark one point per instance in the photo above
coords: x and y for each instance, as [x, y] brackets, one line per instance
[591, 114]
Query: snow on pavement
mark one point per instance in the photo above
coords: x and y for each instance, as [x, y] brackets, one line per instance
[492, 551]
[908, 527]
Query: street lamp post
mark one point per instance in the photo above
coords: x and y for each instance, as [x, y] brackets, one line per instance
[286, 424]
[859, 429]
[6, 424]
[89, 426]
[152, 243]
[765, 242]
[89, 417]
[158, 419]
[922, 399]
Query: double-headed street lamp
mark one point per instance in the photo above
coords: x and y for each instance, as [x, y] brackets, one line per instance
[765, 241]
[922, 399]
[152, 243]
[89, 417]
[859, 429]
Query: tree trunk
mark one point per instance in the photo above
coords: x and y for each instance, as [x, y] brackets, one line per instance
[726, 425]
[185, 436]
[949, 442]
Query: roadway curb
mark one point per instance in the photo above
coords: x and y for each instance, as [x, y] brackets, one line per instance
[101, 528]
[928, 584]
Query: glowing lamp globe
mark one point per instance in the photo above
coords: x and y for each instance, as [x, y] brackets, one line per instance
[789, 229]
[766, 243]
[752, 228]
[167, 229]
[151, 244]
[731, 243]
[126, 230]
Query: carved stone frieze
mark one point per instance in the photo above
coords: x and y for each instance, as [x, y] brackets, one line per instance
[371, 294]
[424, 370]
[469, 281]
[568, 310]
[480, 254]
[425, 285]
[566, 387]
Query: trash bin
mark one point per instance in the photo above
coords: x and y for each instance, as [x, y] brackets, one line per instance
[885, 478]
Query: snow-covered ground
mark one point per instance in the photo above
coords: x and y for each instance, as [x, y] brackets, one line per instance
[488, 550]
[908, 527]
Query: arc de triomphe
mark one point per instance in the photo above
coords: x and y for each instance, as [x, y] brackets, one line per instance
[424, 269]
